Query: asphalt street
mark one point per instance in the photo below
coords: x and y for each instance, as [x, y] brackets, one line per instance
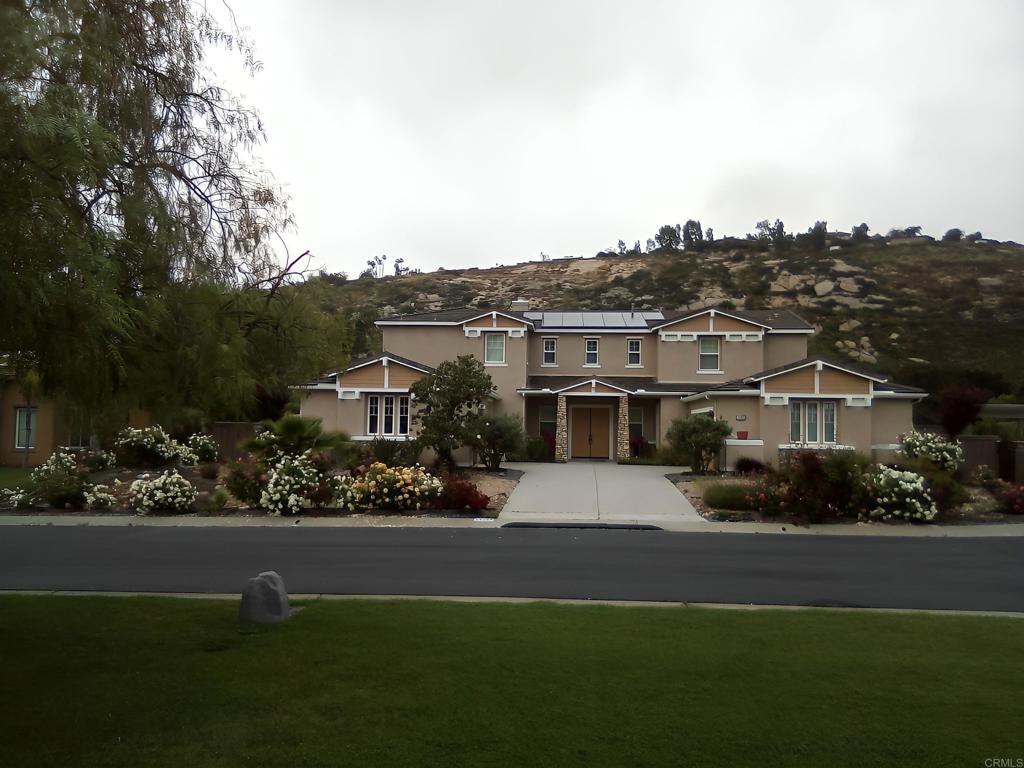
[891, 572]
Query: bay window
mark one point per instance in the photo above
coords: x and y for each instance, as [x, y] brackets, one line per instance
[812, 421]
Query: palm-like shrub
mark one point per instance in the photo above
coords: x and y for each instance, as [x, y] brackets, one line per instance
[293, 435]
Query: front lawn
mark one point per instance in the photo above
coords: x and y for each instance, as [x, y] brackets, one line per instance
[13, 477]
[151, 681]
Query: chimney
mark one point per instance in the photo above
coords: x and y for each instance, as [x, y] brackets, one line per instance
[519, 305]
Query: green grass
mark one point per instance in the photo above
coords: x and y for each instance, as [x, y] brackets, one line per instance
[13, 477]
[162, 682]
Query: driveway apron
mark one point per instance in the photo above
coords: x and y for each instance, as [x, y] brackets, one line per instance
[597, 491]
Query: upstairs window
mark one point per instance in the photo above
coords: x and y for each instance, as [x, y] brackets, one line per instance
[633, 353]
[710, 353]
[494, 348]
[590, 356]
[550, 352]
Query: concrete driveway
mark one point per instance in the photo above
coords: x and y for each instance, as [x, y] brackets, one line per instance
[597, 491]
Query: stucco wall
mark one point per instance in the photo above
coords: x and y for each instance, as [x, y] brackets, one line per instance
[728, 408]
[890, 419]
[49, 427]
[783, 349]
[611, 355]
[677, 361]
[323, 405]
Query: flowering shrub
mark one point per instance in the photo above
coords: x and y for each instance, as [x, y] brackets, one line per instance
[204, 447]
[99, 497]
[58, 480]
[168, 492]
[461, 494]
[984, 476]
[151, 447]
[246, 479]
[14, 498]
[384, 487]
[97, 461]
[943, 453]
[1012, 498]
[292, 485]
[899, 495]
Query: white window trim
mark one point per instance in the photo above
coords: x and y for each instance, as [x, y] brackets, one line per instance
[718, 357]
[543, 341]
[34, 430]
[639, 352]
[369, 413]
[820, 403]
[396, 406]
[504, 353]
[597, 352]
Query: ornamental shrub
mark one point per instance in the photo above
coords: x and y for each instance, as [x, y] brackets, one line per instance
[204, 447]
[700, 437]
[394, 453]
[1011, 499]
[97, 461]
[748, 466]
[246, 479]
[58, 481]
[945, 454]
[99, 497]
[537, 449]
[735, 496]
[899, 495]
[941, 484]
[462, 495]
[383, 487]
[494, 437]
[151, 448]
[293, 483]
[167, 493]
[14, 498]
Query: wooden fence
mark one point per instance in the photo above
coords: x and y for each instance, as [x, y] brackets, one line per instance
[229, 434]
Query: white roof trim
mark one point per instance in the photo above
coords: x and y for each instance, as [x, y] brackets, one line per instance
[723, 393]
[710, 311]
[488, 313]
[389, 360]
[818, 364]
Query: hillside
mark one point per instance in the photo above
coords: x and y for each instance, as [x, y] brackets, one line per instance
[924, 311]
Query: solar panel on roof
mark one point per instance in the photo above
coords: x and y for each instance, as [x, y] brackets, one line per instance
[572, 319]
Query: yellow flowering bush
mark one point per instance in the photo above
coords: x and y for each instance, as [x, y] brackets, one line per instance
[384, 487]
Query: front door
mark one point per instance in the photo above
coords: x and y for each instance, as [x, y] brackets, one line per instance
[590, 431]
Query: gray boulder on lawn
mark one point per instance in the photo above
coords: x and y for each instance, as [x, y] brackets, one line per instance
[264, 600]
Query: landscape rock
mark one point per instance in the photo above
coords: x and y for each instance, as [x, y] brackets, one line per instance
[849, 344]
[893, 336]
[990, 282]
[824, 288]
[842, 268]
[850, 325]
[848, 284]
[264, 600]
[867, 357]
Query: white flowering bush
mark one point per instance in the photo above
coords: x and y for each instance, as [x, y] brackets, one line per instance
[384, 487]
[98, 461]
[167, 492]
[15, 498]
[899, 495]
[99, 497]
[151, 447]
[204, 447]
[61, 462]
[945, 454]
[293, 484]
[58, 480]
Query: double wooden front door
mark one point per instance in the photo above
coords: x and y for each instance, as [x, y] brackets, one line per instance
[591, 430]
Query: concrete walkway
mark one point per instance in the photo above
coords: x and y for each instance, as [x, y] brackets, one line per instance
[597, 491]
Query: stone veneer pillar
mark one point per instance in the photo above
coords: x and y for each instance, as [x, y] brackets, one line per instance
[561, 431]
[622, 433]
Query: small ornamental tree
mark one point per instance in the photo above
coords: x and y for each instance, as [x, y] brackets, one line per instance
[444, 400]
[960, 405]
[494, 437]
[700, 437]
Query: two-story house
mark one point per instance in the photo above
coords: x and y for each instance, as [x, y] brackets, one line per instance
[588, 381]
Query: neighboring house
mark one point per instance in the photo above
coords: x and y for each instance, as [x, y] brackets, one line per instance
[589, 382]
[40, 427]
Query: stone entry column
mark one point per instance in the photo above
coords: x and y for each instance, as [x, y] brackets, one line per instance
[561, 431]
[622, 433]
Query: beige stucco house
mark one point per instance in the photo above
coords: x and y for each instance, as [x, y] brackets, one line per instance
[589, 382]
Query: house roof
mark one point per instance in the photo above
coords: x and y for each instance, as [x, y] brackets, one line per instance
[630, 384]
[841, 365]
[369, 359]
[451, 316]
[597, 320]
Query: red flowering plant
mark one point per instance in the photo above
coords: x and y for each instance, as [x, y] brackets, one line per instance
[1012, 498]
[247, 478]
[461, 494]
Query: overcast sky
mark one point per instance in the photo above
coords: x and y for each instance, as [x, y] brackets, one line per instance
[475, 133]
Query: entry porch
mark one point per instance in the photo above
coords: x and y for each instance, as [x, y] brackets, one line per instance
[592, 426]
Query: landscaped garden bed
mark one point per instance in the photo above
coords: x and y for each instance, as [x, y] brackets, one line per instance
[923, 485]
[292, 468]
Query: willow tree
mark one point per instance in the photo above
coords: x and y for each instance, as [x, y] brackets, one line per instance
[131, 214]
